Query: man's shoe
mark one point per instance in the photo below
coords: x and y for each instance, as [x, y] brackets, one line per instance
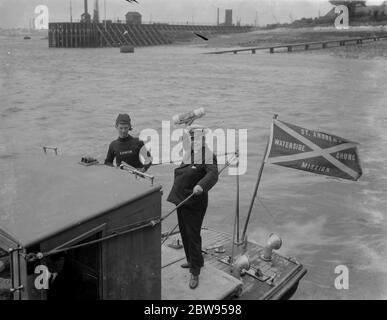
[194, 281]
[186, 265]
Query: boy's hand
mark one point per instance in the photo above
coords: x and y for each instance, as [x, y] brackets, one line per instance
[146, 167]
[197, 190]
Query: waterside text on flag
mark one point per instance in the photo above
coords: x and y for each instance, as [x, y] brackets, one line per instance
[313, 151]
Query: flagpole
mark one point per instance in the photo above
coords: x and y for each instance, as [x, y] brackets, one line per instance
[256, 187]
[237, 203]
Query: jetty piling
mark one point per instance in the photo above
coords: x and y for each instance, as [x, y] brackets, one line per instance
[93, 35]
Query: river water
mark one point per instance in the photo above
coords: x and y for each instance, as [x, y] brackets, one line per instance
[70, 98]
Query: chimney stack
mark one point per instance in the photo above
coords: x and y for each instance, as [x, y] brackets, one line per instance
[96, 12]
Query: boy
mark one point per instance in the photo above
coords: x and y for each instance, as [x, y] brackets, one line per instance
[127, 148]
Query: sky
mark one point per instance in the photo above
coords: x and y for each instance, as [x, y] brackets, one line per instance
[17, 13]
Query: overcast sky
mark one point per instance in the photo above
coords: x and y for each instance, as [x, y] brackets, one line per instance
[17, 13]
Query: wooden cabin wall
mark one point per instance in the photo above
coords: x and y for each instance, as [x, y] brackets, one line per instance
[131, 263]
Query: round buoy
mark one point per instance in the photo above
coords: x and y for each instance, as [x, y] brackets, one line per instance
[127, 49]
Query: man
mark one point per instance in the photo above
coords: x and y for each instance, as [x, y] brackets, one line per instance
[127, 148]
[196, 177]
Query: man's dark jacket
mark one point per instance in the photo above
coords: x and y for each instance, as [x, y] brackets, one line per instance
[187, 176]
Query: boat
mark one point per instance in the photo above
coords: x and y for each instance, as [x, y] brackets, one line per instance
[127, 49]
[82, 231]
[27, 38]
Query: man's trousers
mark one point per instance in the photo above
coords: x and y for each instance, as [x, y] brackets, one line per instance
[190, 223]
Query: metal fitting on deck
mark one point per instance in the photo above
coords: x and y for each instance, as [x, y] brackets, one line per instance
[273, 243]
[241, 263]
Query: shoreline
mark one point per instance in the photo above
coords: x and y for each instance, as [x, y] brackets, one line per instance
[263, 38]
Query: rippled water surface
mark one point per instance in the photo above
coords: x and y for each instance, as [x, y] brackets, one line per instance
[70, 98]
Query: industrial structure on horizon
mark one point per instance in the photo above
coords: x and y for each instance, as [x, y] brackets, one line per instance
[91, 32]
[359, 8]
[358, 11]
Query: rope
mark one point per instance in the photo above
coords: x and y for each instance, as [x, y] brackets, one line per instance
[267, 210]
[30, 257]
[168, 234]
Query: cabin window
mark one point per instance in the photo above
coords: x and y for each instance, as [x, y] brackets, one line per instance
[5, 276]
[77, 272]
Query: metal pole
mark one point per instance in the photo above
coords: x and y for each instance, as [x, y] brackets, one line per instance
[256, 188]
[236, 220]
[237, 203]
[177, 207]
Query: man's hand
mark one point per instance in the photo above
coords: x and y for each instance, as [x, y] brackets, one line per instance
[197, 190]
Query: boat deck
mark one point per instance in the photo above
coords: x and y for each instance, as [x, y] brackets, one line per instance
[264, 280]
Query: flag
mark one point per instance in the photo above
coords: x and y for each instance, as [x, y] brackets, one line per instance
[313, 151]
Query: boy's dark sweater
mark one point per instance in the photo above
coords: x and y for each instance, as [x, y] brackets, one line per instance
[125, 149]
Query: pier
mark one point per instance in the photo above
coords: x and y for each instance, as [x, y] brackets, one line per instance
[315, 45]
[93, 35]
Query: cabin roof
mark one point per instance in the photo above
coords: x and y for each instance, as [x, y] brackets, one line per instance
[44, 195]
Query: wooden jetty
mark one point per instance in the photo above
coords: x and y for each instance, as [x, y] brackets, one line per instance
[93, 35]
[307, 45]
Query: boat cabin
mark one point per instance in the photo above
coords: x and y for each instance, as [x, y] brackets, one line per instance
[78, 232]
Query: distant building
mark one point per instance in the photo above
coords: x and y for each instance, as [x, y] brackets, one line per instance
[133, 18]
[228, 18]
[359, 8]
